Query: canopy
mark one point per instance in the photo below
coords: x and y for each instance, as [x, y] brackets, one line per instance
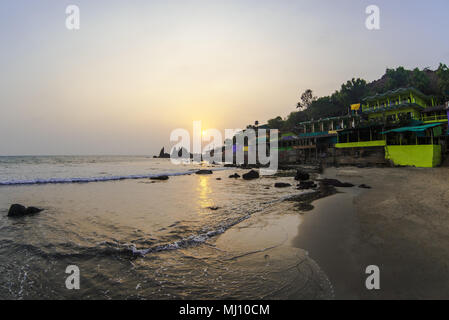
[414, 129]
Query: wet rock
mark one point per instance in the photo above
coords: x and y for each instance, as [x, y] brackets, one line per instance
[251, 175]
[204, 172]
[364, 186]
[219, 179]
[17, 210]
[305, 185]
[162, 178]
[213, 208]
[336, 183]
[302, 176]
[282, 185]
[234, 176]
[33, 210]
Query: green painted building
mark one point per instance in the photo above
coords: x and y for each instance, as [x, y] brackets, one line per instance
[402, 126]
[405, 123]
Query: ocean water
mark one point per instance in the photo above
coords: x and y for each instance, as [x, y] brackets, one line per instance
[133, 238]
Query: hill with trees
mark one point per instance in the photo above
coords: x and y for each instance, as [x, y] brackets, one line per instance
[434, 83]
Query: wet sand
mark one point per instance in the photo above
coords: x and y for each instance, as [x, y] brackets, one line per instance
[400, 225]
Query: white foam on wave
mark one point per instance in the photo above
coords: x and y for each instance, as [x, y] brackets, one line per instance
[96, 179]
[189, 241]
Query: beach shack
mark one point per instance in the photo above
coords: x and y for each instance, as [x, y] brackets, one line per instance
[403, 126]
[314, 140]
[419, 146]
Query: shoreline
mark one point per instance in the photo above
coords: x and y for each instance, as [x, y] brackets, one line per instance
[289, 245]
[329, 232]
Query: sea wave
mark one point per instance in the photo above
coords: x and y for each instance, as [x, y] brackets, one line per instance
[126, 250]
[97, 179]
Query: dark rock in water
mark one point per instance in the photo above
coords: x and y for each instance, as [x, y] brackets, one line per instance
[204, 172]
[17, 210]
[302, 176]
[163, 178]
[282, 185]
[251, 175]
[213, 208]
[336, 183]
[163, 155]
[33, 210]
[219, 179]
[234, 176]
[305, 185]
[181, 153]
[364, 186]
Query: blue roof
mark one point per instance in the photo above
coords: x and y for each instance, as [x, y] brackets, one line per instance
[413, 129]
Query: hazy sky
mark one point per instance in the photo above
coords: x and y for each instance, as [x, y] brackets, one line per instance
[138, 69]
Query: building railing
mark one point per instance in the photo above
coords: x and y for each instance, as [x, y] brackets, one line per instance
[384, 106]
[379, 121]
[442, 117]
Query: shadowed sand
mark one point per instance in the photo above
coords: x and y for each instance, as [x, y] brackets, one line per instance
[400, 225]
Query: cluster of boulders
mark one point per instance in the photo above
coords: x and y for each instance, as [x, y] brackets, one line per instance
[306, 185]
[304, 180]
[163, 154]
[302, 176]
[251, 175]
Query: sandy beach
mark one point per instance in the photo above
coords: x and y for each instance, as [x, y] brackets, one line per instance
[401, 225]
